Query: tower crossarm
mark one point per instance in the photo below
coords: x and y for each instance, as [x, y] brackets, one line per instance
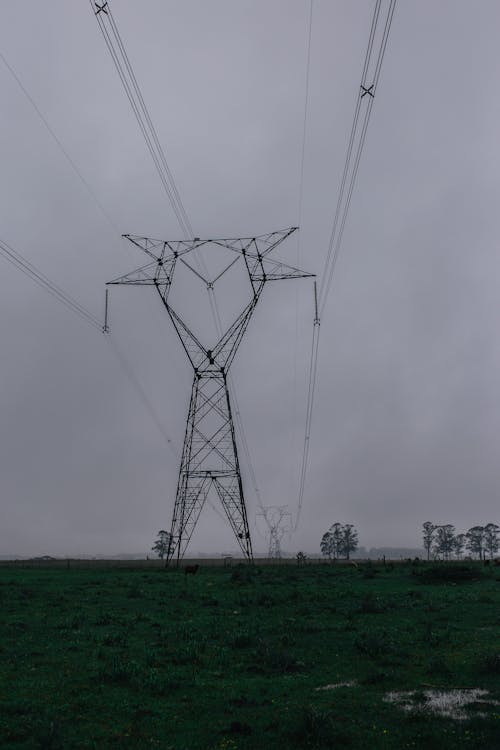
[267, 242]
[263, 269]
[159, 274]
[260, 245]
[159, 249]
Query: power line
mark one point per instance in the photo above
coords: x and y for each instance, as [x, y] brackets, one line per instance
[127, 76]
[43, 281]
[299, 213]
[349, 175]
[350, 145]
[9, 254]
[58, 142]
[304, 125]
[366, 92]
[311, 388]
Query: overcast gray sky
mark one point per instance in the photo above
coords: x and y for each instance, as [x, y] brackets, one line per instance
[406, 426]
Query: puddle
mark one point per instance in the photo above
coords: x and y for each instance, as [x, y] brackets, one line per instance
[450, 704]
[335, 685]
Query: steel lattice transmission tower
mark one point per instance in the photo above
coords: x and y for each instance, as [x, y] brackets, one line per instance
[279, 521]
[209, 455]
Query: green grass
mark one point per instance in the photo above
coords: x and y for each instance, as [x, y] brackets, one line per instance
[232, 658]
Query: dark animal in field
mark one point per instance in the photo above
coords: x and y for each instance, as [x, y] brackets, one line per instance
[191, 570]
[496, 561]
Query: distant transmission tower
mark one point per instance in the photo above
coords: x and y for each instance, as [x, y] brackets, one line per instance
[209, 455]
[279, 522]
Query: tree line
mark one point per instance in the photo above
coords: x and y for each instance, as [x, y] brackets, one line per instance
[442, 541]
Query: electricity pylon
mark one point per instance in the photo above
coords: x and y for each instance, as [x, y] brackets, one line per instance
[279, 522]
[209, 455]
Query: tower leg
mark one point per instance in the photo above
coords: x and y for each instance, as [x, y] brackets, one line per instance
[209, 457]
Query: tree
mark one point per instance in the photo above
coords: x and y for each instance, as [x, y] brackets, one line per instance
[491, 538]
[475, 540]
[337, 536]
[428, 536]
[326, 545]
[349, 540]
[459, 544]
[301, 558]
[162, 544]
[339, 541]
[444, 540]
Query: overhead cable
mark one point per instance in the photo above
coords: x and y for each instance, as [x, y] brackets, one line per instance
[58, 141]
[124, 364]
[304, 124]
[26, 267]
[311, 389]
[364, 100]
[299, 233]
[356, 142]
[127, 76]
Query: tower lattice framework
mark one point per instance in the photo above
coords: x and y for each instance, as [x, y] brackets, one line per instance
[210, 454]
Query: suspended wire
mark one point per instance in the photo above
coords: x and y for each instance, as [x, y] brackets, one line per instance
[124, 364]
[130, 84]
[17, 260]
[22, 264]
[134, 95]
[58, 142]
[311, 389]
[349, 175]
[304, 126]
[127, 76]
[351, 143]
[299, 233]
[26, 267]
[351, 166]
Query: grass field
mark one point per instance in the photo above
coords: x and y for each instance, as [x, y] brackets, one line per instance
[317, 656]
